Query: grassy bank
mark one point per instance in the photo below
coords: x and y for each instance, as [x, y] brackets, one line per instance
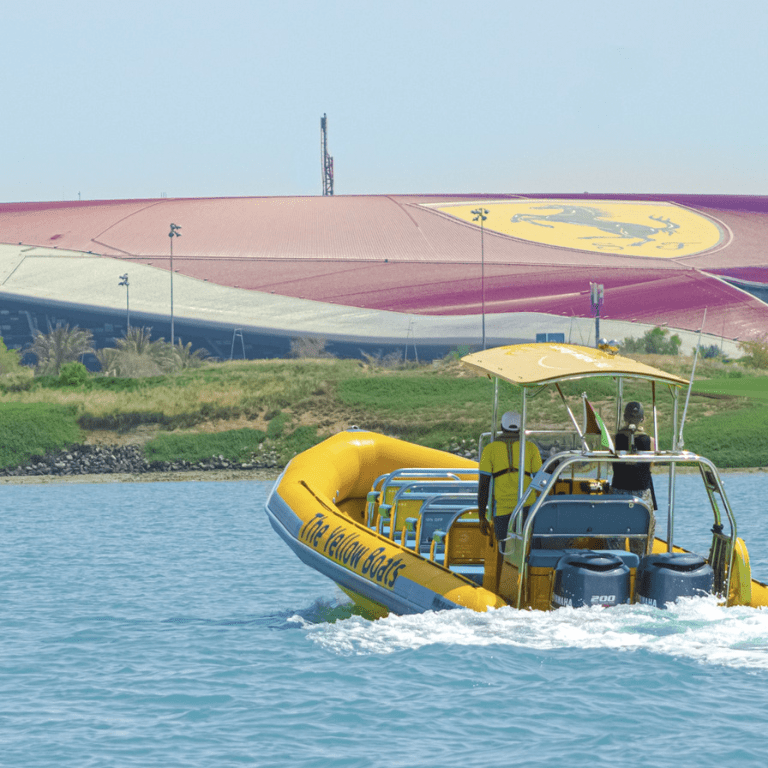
[35, 430]
[243, 409]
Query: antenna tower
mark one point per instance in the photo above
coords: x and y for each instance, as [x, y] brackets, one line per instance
[325, 158]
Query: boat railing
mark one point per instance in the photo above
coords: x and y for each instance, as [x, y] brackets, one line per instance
[436, 514]
[411, 495]
[523, 526]
[425, 472]
[562, 524]
[408, 500]
[386, 486]
[461, 545]
[555, 466]
[544, 438]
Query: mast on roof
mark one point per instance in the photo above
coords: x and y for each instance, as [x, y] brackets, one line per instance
[325, 158]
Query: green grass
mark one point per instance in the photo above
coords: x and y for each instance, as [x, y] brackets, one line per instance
[427, 407]
[732, 438]
[432, 405]
[299, 440]
[235, 445]
[426, 398]
[407, 393]
[238, 445]
[97, 383]
[754, 387]
[34, 430]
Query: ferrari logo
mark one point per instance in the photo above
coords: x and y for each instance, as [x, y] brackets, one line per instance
[660, 230]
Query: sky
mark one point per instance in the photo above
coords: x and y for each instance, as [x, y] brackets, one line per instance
[144, 99]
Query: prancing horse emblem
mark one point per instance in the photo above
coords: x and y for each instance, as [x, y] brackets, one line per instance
[584, 216]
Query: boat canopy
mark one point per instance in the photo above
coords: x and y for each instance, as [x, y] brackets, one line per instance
[529, 365]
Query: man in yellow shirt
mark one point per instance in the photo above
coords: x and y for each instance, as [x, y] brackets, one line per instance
[500, 462]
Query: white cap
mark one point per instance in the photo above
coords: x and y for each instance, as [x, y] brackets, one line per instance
[510, 421]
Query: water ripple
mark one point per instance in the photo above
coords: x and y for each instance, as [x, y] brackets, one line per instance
[167, 625]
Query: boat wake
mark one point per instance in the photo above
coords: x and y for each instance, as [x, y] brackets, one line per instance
[694, 628]
[322, 612]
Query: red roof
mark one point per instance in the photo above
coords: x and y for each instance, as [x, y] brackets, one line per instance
[392, 252]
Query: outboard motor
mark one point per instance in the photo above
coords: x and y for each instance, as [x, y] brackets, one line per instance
[590, 578]
[664, 577]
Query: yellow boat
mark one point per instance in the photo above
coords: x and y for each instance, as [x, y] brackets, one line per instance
[396, 525]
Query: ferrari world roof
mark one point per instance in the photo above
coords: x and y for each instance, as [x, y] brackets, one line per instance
[391, 266]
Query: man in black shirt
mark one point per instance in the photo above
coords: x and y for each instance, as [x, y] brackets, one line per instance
[634, 479]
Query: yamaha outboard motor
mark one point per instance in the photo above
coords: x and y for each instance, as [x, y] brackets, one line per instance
[664, 577]
[590, 578]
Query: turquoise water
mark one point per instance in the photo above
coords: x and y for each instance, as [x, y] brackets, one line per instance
[166, 624]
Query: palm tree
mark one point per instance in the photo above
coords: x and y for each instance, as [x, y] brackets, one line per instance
[137, 355]
[108, 358]
[186, 357]
[138, 341]
[59, 346]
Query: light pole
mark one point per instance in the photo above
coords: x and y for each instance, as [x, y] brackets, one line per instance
[481, 214]
[596, 293]
[124, 281]
[173, 233]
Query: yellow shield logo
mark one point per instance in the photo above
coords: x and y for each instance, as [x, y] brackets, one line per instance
[659, 230]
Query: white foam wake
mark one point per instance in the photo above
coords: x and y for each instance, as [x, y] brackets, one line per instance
[696, 628]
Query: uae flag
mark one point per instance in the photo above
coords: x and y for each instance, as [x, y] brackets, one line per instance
[596, 426]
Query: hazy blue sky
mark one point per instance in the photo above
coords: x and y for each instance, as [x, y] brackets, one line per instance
[196, 99]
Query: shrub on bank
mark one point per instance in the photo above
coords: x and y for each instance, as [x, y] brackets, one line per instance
[756, 352]
[9, 359]
[653, 342]
[73, 374]
[34, 429]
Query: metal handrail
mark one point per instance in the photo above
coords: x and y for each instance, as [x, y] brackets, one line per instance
[544, 481]
[418, 474]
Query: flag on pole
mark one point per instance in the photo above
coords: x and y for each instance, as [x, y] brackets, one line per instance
[596, 426]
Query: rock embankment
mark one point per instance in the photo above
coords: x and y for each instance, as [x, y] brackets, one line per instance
[102, 460]
[130, 459]
[465, 448]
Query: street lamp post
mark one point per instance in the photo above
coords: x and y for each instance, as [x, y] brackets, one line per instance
[596, 294]
[124, 281]
[173, 233]
[481, 214]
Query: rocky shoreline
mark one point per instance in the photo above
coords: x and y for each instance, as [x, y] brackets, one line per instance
[126, 463]
[120, 461]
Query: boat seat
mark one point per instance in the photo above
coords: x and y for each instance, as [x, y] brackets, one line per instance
[561, 520]
[410, 497]
[436, 514]
[386, 488]
[410, 508]
[464, 546]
